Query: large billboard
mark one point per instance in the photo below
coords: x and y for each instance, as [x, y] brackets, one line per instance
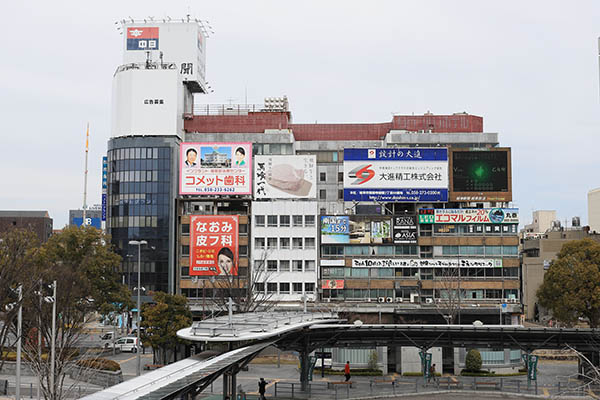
[215, 168]
[213, 245]
[358, 229]
[426, 263]
[480, 175]
[285, 177]
[335, 229]
[396, 174]
[469, 216]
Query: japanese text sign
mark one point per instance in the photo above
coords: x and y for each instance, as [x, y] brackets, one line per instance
[213, 245]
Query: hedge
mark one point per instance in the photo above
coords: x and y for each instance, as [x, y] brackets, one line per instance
[99, 363]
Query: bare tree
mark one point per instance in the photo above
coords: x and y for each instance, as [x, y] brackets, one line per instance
[448, 301]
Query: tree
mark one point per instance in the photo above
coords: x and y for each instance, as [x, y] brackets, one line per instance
[473, 360]
[84, 266]
[162, 320]
[571, 286]
[18, 251]
[448, 301]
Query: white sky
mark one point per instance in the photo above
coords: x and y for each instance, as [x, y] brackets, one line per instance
[529, 68]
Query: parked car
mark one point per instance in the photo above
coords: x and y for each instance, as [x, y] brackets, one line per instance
[107, 336]
[134, 331]
[127, 344]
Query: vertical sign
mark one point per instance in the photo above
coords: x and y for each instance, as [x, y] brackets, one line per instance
[213, 245]
[104, 185]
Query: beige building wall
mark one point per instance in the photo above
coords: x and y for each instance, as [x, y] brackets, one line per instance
[541, 221]
[594, 210]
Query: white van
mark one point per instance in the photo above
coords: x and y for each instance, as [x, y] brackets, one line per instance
[127, 344]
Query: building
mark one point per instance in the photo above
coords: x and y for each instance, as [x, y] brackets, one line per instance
[541, 221]
[403, 221]
[538, 252]
[594, 210]
[37, 221]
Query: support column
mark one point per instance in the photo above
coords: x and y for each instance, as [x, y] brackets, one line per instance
[304, 366]
[233, 382]
[226, 384]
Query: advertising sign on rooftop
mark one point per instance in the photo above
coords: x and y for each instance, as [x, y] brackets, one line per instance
[480, 175]
[469, 216]
[285, 177]
[396, 174]
[213, 245]
[215, 168]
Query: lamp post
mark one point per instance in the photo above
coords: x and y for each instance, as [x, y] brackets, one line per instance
[19, 324]
[53, 350]
[139, 244]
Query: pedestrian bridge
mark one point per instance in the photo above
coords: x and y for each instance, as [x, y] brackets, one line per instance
[305, 332]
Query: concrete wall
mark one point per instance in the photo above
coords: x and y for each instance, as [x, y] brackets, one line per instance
[410, 361]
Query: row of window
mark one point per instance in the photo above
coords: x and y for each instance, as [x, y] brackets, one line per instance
[283, 243]
[285, 287]
[137, 221]
[418, 273]
[139, 153]
[341, 250]
[285, 265]
[469, 229]
[284, 221]
[406, 293]
[480, 250]
[138, 187]
[139, 199]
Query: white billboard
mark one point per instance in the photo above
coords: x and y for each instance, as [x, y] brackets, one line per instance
[427, 263]
[182, 46]
[285, 177]
[215, 168]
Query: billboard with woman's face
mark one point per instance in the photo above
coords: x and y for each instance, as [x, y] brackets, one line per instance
[213, 245]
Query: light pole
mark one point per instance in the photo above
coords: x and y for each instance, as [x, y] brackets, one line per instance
[19, 323]
[53, 350]
[139, 244]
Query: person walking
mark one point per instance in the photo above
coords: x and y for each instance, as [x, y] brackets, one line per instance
[262, 388]
[347, 371]
[431, 374]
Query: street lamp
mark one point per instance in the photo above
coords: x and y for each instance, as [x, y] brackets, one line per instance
[139, 244]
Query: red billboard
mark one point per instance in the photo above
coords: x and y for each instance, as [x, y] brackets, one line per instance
[213, 245]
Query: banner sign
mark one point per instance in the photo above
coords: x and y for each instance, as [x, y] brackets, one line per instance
[405, 229]
[89, 221]
[469, 216]
[335, 229]
[426, 263]
[285, 177]
[103, 206]
[396, 174]
[215, 168]
[332, 284]
[213, 245]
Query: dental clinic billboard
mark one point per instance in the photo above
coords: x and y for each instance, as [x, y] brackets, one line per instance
[396, 174]
[215, 168]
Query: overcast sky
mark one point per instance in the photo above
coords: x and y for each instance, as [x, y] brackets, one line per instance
[529, 68]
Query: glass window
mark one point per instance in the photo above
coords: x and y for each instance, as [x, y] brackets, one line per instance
[297, 243]
[271, 265]
[258, 265]
[309, 287]
[493, 250]
[259, 243]
[284, 243]
[259, 220]
[334, 156]
[297, 220]
[449, 250]
[340, 194]
[510, 250]
[297, 287]
[284, 287]
[284, 265]
[340, 177]
[272, 243]
[309, 265]
[309, 220]
[322, 177]
[297, 265]
[272, 287]
[284, 220]
[471, 250]
[272, 220]
[309, 243]
[322, 194]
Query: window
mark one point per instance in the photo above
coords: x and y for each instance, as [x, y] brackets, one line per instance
[284, 265]
[272, 287]
[322, 211]
[271, 265]
[340, 177]
[284, 220]
[297, 287]
[309, 220]
[309, 265]
[259, 243]
[272, 243]
[322, 176]
[340, 194]
[309, 287]
[297, 264]
[309, 243]
[259, 287]
[284, 243]
[322, 195]
[284, 287]
[259, 220]
[449, 250]
[258, 265]
[297, 243]
[334, 156]
[272, 220]
[297, 220]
